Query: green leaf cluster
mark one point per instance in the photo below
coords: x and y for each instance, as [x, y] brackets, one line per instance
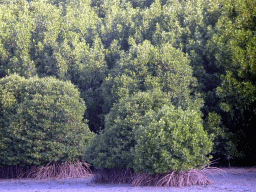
[147, 67]
[147, 133]
[236, 45]
[201, 53]
[171, 139]
[41, 121]
[112, 147]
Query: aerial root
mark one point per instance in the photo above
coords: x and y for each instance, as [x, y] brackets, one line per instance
[180, 178]
[73, 169]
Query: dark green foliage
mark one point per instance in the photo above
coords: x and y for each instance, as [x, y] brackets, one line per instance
[15, 35]
[236, 45]
[112, 148]
[193, 50]
[146, 67]
[41, 121]
[172, 140]
[135, 137]
[45, 39]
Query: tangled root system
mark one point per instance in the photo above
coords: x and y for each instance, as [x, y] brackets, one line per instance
[72, 169]
[180, 178]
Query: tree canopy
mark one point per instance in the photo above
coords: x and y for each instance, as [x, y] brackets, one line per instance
[200, 53]
[41, 121]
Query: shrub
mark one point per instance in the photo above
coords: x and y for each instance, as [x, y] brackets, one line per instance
[113, 147]
[173, 140]
[41, 121]
[145, 133]
[172, 149]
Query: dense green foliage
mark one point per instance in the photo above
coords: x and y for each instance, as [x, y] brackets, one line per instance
[179, 143]
[112, 148]
[173, 140]
[200, 53]
[41, 121]
[236, 42]
[146, 67]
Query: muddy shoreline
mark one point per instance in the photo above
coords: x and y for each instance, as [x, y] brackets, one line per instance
[225, 179]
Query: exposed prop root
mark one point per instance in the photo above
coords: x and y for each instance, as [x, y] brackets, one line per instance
[114, 176]
[180, 178]
[72, 169]
[146, 179]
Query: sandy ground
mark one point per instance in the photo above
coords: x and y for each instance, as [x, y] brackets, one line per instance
[235, 179]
